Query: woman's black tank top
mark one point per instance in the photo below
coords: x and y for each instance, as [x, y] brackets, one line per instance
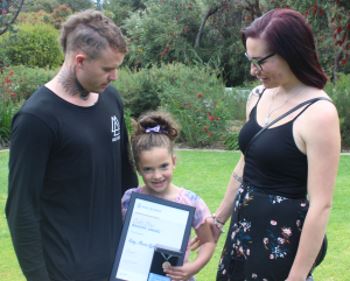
[273, 163]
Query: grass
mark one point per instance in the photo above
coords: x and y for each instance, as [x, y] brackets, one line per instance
[206, 173]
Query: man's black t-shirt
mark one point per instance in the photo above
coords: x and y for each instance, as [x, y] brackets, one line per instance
[69, 166]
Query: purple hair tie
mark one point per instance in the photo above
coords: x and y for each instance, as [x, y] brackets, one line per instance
[155, 129]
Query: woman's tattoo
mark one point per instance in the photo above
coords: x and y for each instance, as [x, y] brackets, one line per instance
[237, 177]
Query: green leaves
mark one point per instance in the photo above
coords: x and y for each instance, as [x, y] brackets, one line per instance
[33, 45]
[193, 94]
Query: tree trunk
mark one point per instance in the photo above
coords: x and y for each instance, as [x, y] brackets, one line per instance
[16, 13]
[209, 13]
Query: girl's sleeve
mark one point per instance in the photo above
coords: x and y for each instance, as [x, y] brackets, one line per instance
[125, 201]
[202, 211]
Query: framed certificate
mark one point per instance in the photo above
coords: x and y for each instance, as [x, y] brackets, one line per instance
[154, 229]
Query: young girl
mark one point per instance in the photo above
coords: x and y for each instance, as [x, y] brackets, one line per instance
[152, 144]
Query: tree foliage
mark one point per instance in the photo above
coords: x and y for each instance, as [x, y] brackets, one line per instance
[121, 9]
[163, 32]
[205, 31]
[50, 5]
[208, 31]
[40, 5]
[330, 21]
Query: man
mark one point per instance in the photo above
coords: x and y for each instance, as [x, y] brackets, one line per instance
[69, 160]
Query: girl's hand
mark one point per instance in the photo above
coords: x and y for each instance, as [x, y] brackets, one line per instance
[181, 273]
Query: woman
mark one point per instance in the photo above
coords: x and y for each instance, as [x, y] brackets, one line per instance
[280, 192]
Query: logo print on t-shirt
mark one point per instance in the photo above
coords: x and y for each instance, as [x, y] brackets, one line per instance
[115, 128]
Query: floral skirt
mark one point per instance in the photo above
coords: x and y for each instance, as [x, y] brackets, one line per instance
[263, 236]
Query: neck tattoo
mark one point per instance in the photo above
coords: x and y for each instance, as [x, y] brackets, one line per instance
[71, 84]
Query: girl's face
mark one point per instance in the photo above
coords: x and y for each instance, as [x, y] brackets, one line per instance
[273, 71]
[156, 167]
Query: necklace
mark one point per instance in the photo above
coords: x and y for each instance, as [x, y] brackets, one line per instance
[167, 263]
[289, 94]
[272, 110]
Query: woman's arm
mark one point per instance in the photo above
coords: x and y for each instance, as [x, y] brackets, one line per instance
[319, 132]
[224, 210]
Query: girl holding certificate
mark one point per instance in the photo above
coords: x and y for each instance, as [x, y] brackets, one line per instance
[152, 144]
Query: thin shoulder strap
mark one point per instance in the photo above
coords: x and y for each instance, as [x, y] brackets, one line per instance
[259, 92]
[307, 106]
[307, 102]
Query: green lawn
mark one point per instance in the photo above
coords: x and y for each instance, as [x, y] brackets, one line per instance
[207, 173]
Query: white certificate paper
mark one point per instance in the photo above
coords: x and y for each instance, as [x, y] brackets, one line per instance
[150, 222]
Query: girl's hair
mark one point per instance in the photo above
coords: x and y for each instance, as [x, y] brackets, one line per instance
[91, 31]
[154, 129]
[289, 35]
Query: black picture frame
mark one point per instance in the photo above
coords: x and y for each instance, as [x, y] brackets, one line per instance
[150, 223]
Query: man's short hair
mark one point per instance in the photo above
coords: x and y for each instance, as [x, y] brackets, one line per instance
[91, 31]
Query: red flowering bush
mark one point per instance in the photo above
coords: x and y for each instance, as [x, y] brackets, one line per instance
[17, 83]
[8, 106]
[195, 96]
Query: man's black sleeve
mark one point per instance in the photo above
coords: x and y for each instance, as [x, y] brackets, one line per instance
[29, 150]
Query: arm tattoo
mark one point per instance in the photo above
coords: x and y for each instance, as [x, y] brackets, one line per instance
[237, 177]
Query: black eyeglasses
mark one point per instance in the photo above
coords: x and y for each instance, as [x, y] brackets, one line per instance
[259, 62]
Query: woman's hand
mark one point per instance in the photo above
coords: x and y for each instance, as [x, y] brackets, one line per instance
[216, 230]
[216, 227]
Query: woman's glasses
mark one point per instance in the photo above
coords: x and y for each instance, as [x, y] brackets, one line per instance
[258, 62]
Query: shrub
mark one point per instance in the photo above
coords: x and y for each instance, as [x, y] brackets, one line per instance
[4, 61]
[8, 106]
[17, 83]
[193, 94]
[231, 141]
[7, 110]
[37, 17]
[60, 14]
[340, 93]
[33, 45]
[22, 81]
[139, 90]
